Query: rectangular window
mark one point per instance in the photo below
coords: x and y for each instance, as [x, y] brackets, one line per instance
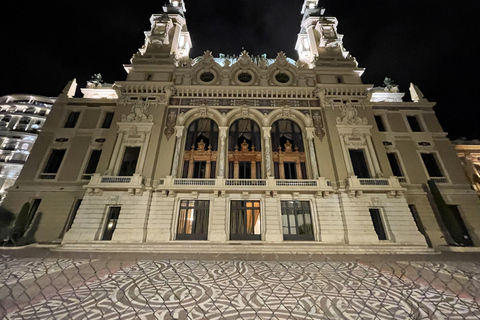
[394, 164]
[378, 224]
[245, 220]
[380, 125]
[129, 162]
[359, 163]
[193, 220]
[297, 220]
[72, 120]
[53, 164]
[414, 124]
[33, 211]
[107, 121]
[111, 223]
[458, 232]
[92, 164]
[431, 165]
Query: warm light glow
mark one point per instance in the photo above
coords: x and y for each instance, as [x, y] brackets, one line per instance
[175, 3]
[110, 225]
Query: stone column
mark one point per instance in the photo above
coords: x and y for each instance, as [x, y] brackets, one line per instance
[221, 153]
[268, 151]
[313, 157]
[178, 148]
[373, 156]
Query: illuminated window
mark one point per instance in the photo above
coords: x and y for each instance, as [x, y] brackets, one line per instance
[111, 224]
[245, 220]
[193, 220]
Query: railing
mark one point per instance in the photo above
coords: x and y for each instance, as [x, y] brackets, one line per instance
[116, 179]
[47, 176]
[374, 185]
[296, 183]
[194, 182]
[373, 182]
[245, 182]
[439, 179]
[402, 179]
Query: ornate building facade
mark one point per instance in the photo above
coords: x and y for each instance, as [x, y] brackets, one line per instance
[21, 120]
[272, 154]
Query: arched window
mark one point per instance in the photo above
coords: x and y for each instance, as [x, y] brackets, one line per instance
[201, 144]
[244, 150]
[288, 150]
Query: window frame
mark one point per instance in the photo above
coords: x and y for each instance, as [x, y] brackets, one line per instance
[45, 161]
[77, 120]
[368, 162]
[439, 162]
[298, 236]
[245, 236]
[86, 162]
[107, 219]
[192, 236]
[104, 117]
[383, 220]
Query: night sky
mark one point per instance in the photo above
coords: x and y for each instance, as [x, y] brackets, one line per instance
[434, 44]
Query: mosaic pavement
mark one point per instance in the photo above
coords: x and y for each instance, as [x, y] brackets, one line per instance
[261, 290]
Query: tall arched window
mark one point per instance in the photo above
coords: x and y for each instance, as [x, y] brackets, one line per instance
[244, 150]
[288, 150]
[201, 143]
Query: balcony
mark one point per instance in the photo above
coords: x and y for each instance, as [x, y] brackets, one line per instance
[320, 185]
[356, 186]
[98, 183]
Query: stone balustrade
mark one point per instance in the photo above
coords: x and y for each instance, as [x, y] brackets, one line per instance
[356, 186]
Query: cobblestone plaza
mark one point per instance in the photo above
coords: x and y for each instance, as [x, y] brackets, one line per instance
[39, 284]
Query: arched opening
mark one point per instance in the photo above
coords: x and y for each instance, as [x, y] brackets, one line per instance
[244, 150]
[289, 154]
[201, 144]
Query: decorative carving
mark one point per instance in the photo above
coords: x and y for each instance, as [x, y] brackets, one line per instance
[281, 59]
[161, 27]
[207, 59]
[286, 113]
[350, 116]
[139, 113]
[318, 124]
[244, 60]
[170, 126]
[134, 136]
[95, 81]
[389, 86]
[416, 94]
[245, 112]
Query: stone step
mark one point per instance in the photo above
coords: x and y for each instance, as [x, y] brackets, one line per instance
[246, 248]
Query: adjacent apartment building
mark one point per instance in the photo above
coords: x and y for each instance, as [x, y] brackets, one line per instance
[270, 154]
[21, 120]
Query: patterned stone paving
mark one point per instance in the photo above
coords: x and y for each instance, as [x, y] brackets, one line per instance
[251, 290]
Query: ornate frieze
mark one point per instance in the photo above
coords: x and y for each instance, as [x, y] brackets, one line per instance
[250, 102]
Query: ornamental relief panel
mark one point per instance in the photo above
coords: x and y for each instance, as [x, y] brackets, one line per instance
[350, 116]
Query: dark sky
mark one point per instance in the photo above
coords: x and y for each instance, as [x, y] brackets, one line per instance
[434, 44]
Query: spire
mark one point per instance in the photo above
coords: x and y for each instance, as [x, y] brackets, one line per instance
[175, 6]
[168, 34]
[318, 37]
